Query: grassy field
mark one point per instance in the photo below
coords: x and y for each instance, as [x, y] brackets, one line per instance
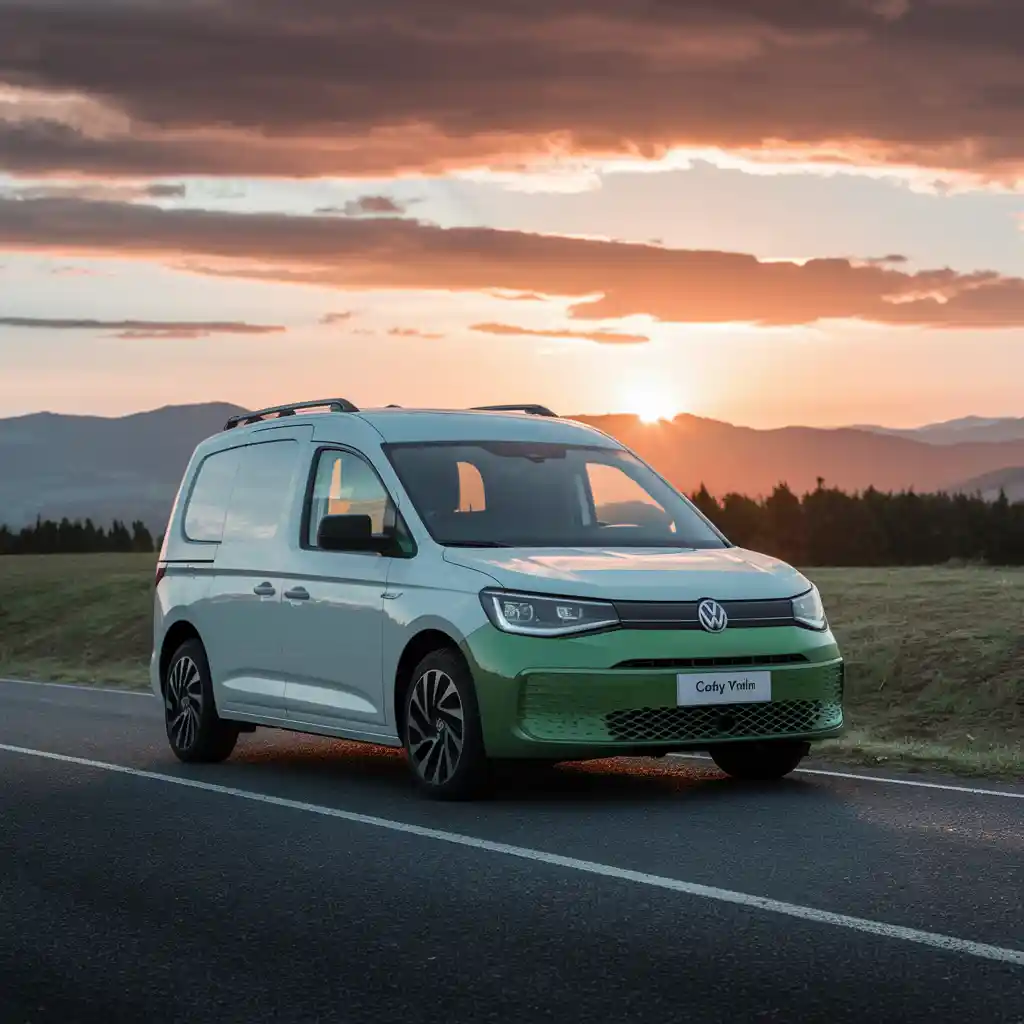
[80, 618]
[935, 656]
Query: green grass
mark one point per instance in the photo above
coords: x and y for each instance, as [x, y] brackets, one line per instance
[935, 666]
[76, 618]
[935, 656]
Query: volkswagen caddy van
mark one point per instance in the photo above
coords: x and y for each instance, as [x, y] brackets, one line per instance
[479, 587]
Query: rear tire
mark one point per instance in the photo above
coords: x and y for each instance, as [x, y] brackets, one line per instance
[196, 733]
[441, 729]
[759, 761]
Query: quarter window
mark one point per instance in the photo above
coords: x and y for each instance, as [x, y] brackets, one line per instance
[208, 502]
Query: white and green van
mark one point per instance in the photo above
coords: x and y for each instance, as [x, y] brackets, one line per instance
[480, 586]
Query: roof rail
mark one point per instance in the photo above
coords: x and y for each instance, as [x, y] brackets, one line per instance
[530, 410]
[333, 404]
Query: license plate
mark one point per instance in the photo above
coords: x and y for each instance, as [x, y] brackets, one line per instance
[694, 689]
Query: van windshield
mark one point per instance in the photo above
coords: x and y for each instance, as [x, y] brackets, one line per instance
[528, 494]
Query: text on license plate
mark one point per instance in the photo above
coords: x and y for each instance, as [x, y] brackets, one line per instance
[694, 689]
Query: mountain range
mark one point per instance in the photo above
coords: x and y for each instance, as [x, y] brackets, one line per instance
[130, 467]
[969, 428]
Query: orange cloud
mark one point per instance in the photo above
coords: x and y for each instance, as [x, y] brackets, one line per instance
[413, 332]
[687, 286]
[400, 86]
[114, 191]
[604, 337]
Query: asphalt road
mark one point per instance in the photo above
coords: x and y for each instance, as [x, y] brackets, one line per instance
[627, 892]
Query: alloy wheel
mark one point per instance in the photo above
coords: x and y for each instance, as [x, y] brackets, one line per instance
[436, 727]
[183, 702]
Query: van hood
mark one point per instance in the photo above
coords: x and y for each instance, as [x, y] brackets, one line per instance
[636, 574]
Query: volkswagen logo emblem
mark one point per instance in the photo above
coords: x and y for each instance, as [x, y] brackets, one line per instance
[711, 616]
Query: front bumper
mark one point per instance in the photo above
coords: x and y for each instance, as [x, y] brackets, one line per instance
[572, 697]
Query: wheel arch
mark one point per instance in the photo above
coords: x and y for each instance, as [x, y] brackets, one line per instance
[177, 634]
[422, 643]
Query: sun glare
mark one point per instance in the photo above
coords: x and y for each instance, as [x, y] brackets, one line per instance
[652, 405]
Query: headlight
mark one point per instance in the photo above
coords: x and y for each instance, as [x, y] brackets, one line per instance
[809, 611]
[532, 615]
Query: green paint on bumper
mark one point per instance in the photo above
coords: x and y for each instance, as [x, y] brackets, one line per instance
[572, 697]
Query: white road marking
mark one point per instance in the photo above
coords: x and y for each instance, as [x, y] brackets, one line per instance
[913, 782]
[79, 686]
[973, 790]
[946, 943]
[970, 790]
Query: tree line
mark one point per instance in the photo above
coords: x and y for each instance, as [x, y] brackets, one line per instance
[826, 526]
[67, 537]
[871, 528]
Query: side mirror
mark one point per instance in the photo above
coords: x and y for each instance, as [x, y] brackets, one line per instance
[352, 533]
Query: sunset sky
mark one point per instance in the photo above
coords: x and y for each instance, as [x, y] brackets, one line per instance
[766, 212]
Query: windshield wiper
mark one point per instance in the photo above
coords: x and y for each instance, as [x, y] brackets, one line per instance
[475, 544]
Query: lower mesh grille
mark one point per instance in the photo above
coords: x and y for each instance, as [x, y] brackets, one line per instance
[680, 724]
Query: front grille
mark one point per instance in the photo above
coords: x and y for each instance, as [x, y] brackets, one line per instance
[683, 614]
[722, 662]
[671, 725]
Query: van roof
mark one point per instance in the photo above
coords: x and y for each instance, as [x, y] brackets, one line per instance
[400, 425]
[410, 425]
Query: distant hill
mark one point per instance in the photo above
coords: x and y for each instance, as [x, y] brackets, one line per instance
[988, 485]
[130, 467]
[690, 451]
[965, 430]
[78, 466]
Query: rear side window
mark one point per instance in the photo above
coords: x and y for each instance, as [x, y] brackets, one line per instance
[208, 503]
[242, 494]
[263, 491]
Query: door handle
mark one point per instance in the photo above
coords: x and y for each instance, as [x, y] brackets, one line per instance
[264, 590]
[296, 594]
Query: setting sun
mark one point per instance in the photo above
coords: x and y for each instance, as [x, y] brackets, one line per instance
[652, 404]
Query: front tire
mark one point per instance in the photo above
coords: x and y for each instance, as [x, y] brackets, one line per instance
[760, 761]
[196, 733]
[441, 729]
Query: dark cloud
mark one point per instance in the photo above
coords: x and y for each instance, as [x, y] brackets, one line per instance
[337, 318]
[681, 285]
[141, 329]
[604, 337]
[314, 87]
[367, 206]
